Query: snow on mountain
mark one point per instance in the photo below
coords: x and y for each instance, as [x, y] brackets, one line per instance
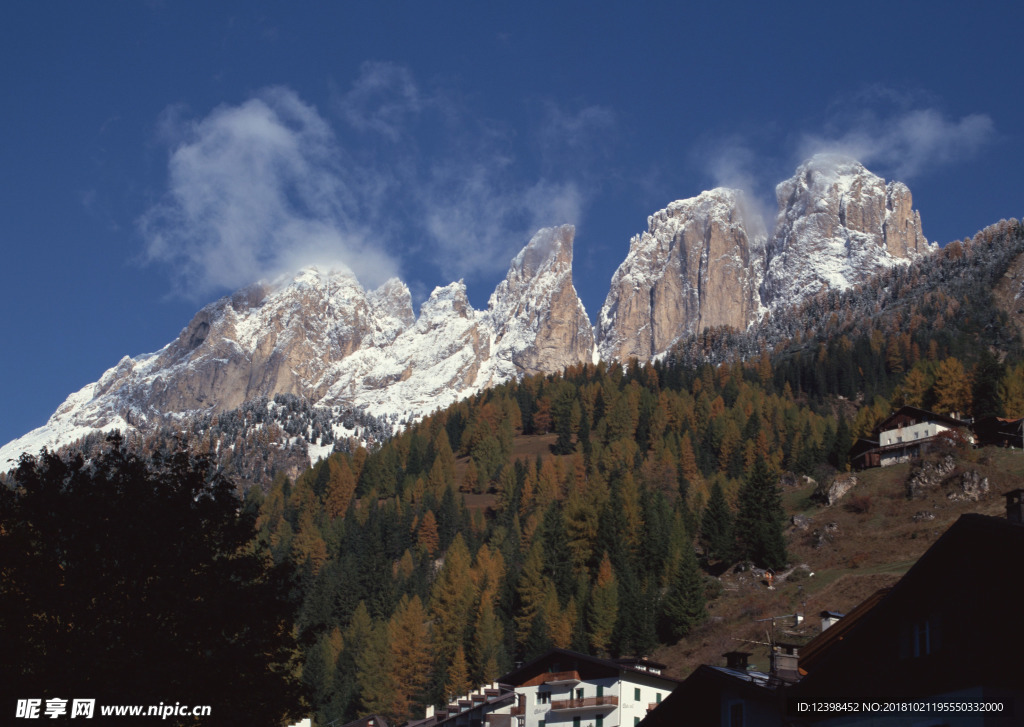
[837, 224]
[698, 265]
[320, 336]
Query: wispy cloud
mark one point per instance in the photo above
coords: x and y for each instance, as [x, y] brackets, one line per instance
[894, 133]
[255, 190]
[478, 222]
[382, 99]
[396, 177]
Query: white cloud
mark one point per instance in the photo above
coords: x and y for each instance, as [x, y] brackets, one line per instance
[905, 143]
[478, 221]
[382, 100]
[268, 186]
[259, 189]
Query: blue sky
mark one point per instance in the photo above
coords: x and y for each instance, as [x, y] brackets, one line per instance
[157, 155]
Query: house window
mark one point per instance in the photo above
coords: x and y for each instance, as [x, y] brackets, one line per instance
[600, 690]
[657, 698]
[636, 721]
[579, 693]
[541, 723]
[576, 721]
[920, 637]
[736, 714]
[636, 694]
[543, 697]
[600, 720]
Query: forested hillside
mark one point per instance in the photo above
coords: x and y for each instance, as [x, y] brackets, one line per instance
[586, 509]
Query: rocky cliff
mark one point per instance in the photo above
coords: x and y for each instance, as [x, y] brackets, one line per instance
[837, 224]
[320, 336]
[698, 265]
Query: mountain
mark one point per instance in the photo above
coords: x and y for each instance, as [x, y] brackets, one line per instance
[837, 224]
[704, 262]
[320, 336]
[708, 262]
[698, 265]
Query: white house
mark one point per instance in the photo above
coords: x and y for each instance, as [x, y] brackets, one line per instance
[568, 689]
[903, 435]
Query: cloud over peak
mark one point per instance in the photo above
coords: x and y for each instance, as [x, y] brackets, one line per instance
[252, 191]
[906, 142]
[270, 185]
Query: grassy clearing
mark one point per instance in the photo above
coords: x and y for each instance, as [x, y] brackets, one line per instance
[876, 540]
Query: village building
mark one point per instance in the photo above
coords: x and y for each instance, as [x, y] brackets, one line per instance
[568, 689]
[1000, 432]
[730, 695]
[905, 434]
[947, 633]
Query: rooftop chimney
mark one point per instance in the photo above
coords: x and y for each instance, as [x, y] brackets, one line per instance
[829, 618]
[737, 660]
[784, 662]
[1015, 506]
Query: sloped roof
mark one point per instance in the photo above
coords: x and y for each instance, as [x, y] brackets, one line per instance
[572, 660]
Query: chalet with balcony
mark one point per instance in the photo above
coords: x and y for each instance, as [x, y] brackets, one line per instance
[568, 689]
[905, 434]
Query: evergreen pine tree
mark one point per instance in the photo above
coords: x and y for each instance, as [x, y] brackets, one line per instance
[684, 606]
[759, 521]
[716, 527]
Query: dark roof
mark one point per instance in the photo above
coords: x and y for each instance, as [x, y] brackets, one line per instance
[921, 415]
[967, 580]
[573, 660]
[835, 633]
[697, 699]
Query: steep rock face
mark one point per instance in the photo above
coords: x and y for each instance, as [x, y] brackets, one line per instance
[268, 339]
[319, 335]
[837, 224]
[539, 322]
[698, 265]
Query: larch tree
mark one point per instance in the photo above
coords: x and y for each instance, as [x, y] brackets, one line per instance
[341, 486]
[952, 387]
[603, 608]
[451, 599]
[409, 647]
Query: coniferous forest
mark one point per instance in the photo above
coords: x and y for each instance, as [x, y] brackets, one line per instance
[590, 509]
[586, 509]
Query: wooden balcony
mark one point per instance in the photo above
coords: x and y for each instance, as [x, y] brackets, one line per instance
[562, 677]
[564, 705]
[518, 711]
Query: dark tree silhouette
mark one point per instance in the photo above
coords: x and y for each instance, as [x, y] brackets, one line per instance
[135, 581]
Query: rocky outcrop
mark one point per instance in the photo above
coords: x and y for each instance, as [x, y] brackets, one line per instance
[539, 321]
[835, 490]
[929, 477]
[698, 265]
[971, 487]
[837, 224]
